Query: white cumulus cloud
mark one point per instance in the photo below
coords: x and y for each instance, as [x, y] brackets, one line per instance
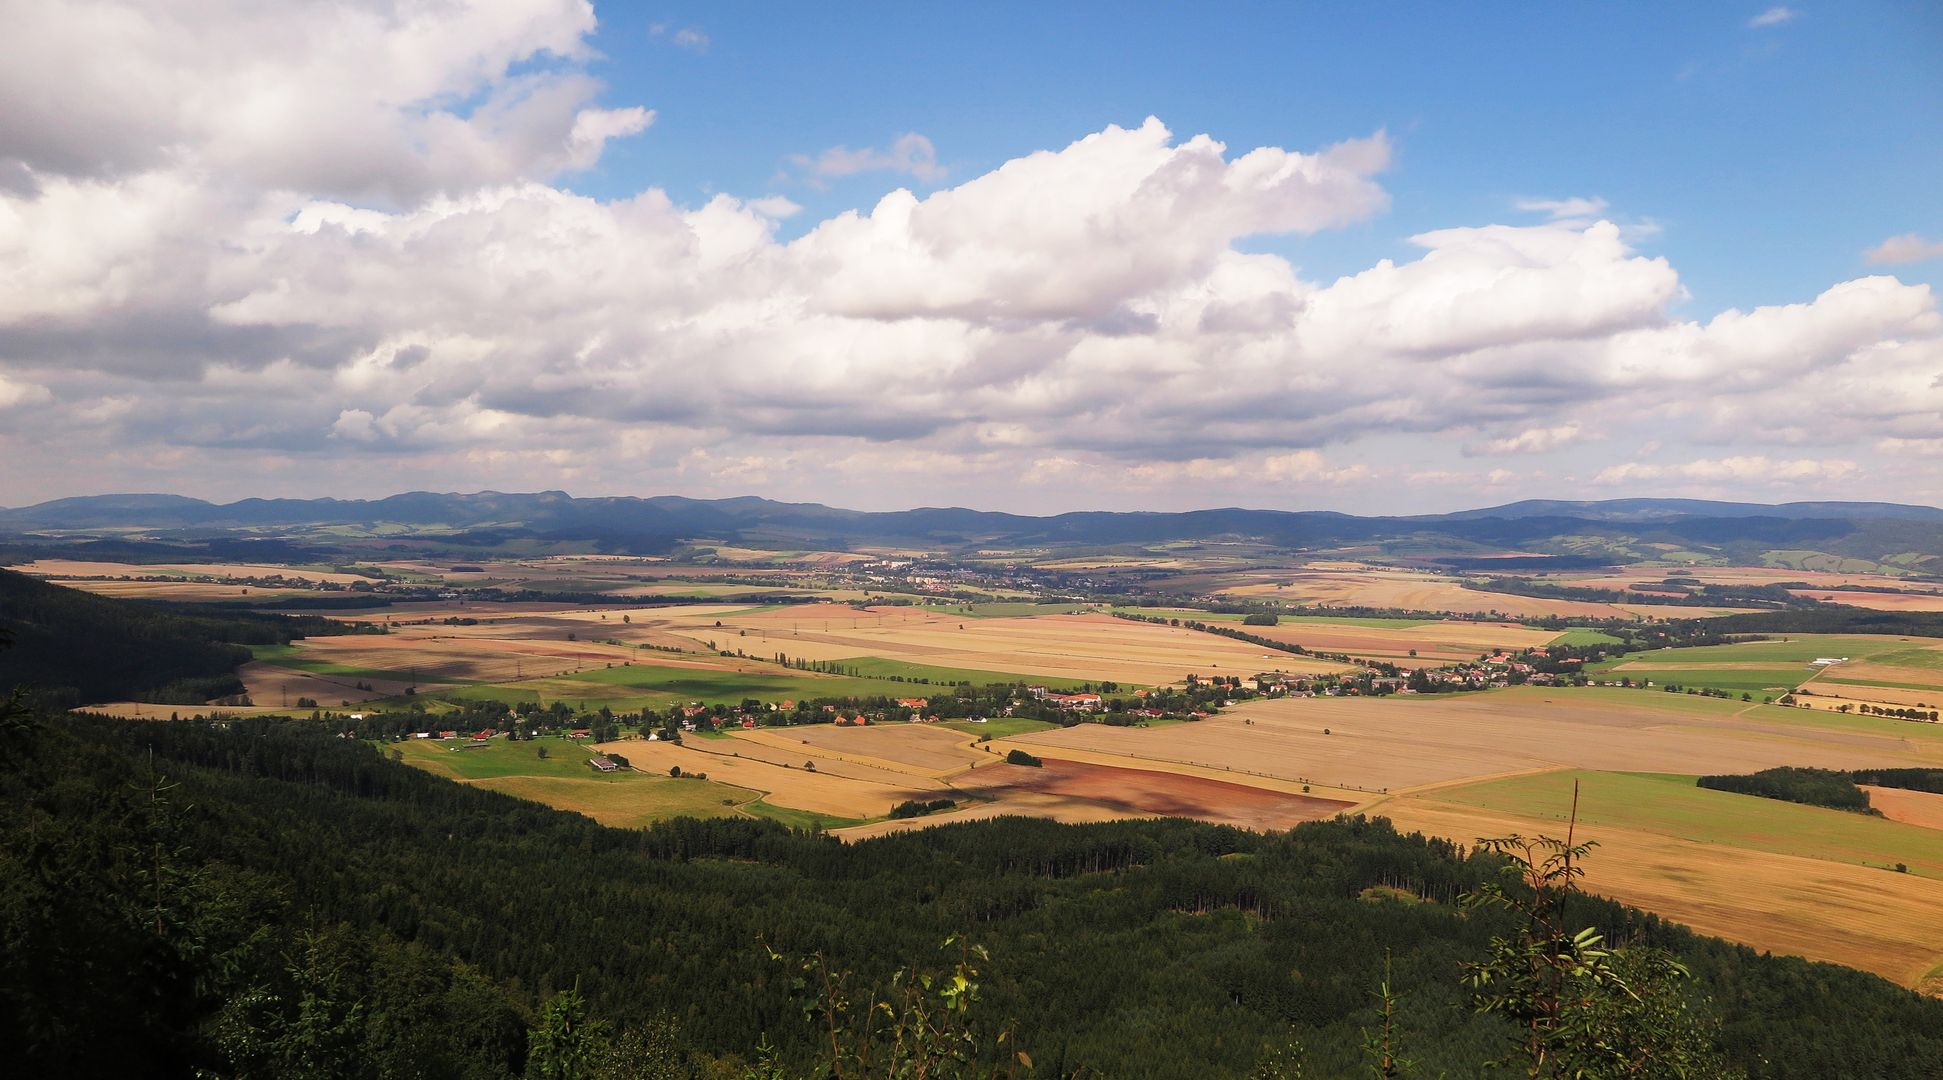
[1907, 248]
[909, 154]
[279, 246]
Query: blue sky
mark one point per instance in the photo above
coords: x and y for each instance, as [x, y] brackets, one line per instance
[1364, 257]
[1771, 157]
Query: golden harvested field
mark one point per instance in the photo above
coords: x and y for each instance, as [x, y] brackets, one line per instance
[788, 753]
[1054, 807]
[857, 773]
[825, 792]
[643, 801]
[1077, 791]
[1924, 808]
[1827, 695]
[142, 710]
[916, 748]
[1407, 742]
[1436, 643]
[1091, 647]
[270, 685]
[1861, 916]
[1887, 673]
[1427, 751]
[1415, 591]
[448, 656]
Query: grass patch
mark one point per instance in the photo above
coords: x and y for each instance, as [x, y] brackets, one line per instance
[1674, 806]
[1001, 727]
[565, 758]
[1758, 666]
[1761, 682]
[805, 820]
[631, 801]
[631, 688]
[1693, 705]
[564, 781]
[1800, 648]
[1931, 659]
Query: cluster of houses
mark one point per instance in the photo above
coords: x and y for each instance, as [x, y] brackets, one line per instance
[1485, 673]
[1069, 702]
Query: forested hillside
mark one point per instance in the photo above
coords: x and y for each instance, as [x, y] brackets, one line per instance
[1620, 531]
[73, 647]
[266, 899]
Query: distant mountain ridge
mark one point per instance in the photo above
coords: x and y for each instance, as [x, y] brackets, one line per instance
[1648, 509]
[1610, 529]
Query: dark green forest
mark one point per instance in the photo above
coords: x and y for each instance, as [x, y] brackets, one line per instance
[73, 647]
[1814, 787]
[265, 899]
[1835, 788]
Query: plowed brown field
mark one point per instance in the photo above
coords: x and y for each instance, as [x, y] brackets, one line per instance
[1923, 808]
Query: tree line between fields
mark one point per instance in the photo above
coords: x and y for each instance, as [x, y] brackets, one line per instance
[1838, 789]
[264, 898]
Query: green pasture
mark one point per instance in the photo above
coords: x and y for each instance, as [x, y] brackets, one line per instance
[1758, 667]
[1791, 648]
[1674, 806]
[637, 686]
[503, 757]
[564, 780]
[798, 819]
[1769, 681]
[1932, 659]
[1000, 727]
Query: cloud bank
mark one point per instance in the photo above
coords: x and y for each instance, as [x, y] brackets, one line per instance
[266, 261]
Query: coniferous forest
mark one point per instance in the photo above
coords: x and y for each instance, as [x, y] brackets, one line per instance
[71, 646]
[264, 899]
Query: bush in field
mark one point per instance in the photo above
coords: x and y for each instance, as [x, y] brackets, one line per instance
[1260, 618]
[1020, 757]
[911, 808]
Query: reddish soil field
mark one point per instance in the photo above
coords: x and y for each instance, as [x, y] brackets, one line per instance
[1923, 808]
[1140, 791]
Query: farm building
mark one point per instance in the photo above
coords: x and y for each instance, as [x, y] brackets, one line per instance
[603, 763]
